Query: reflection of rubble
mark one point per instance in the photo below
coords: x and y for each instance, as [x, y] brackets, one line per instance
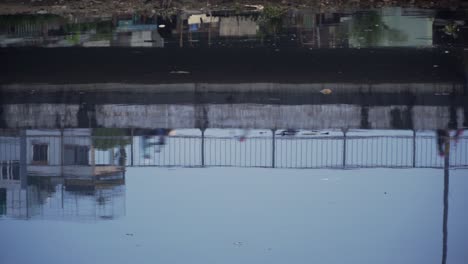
[109, 7]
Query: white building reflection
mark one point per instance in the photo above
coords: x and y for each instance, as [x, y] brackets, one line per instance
[53, 174]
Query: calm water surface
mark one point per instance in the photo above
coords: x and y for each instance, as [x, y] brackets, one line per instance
[235, 138]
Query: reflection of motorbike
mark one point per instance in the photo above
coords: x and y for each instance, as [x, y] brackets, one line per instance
[154, 142]
[443, 136]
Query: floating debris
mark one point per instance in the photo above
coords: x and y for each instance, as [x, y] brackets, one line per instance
[326, 91]
[180, 72]
[238, 244]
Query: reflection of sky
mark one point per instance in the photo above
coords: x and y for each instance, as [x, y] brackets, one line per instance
[260, 216]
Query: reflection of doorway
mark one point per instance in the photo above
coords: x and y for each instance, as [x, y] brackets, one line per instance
[3, 194]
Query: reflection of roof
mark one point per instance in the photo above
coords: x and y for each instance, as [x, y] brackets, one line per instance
[128, 28]
[238, 26]
[202, 18]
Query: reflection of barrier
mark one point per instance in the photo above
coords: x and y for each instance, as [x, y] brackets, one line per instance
[58, 155]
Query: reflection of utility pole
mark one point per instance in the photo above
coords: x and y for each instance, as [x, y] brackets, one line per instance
[181, 29]
[23, 160]
[414, 148]
[23, 168]
[446, 191]
[131, 147]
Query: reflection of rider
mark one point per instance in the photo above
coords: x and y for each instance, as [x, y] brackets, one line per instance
[443, 137]
[161, 133]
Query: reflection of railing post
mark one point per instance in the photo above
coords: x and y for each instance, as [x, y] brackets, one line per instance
[446, 191]
[23, 160]
[273, 144]
[344, 130]
[414, 148]
[62, 154]
[93, 156]
[203, 147]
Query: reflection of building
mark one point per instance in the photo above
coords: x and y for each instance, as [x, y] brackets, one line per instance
[318, 30]
[60, 169]
[54, 153]
[137, 31]
[55, 198]
[238, 26]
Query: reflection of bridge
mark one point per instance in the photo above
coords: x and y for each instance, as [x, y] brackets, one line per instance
[265, 149]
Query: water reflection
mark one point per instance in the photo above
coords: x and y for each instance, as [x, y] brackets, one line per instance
[79, 174]
[90, 154]
[62, 198]
[298, 104]
[296, 27]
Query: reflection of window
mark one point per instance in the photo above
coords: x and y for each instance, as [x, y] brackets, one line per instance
[76, 155]
[40, 152]
[3, 195]
[4, 170]
[15, 171]
[10, 170]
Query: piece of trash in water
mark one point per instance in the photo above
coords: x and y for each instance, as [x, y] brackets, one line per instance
[324, 179]
[326, 91]
[129, 234]
[385, 193]
[162, 26]
[435, 66]
[237, 244]
[446, 52]
[179, 72]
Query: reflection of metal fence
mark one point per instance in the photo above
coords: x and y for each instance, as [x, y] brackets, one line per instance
[268, 151]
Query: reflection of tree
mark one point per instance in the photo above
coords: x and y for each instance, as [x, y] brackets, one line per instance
[368, 29]
[102, 29]
[271, 20]
[108, 138]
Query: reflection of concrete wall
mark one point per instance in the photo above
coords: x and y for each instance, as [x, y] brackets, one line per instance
[346, 87]
[237, 26]
[259, 116]
[42, 115]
